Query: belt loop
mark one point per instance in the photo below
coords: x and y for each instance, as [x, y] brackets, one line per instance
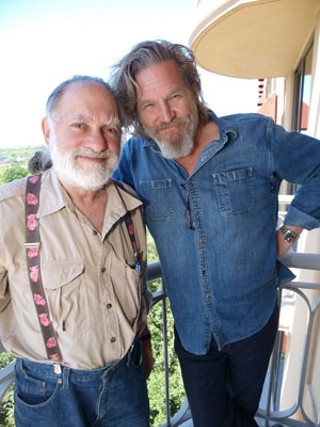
[18, 364]
[65, 377]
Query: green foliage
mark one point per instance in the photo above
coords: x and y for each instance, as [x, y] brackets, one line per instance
[156, 382]
[5, 359]
[14, 163]
[6, 405]
[12, 173]
[7, 409]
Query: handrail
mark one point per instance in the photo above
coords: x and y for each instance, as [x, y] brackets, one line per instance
[272, 412]
[303, 261]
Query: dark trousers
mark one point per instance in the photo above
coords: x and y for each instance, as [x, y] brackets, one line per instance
[224, 387]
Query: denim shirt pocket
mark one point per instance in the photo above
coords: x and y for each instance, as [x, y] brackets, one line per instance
[235, 191]
[158, 203]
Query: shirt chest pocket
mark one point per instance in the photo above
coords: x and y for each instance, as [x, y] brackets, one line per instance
[66, 291]
[158, 199]
[235, 191]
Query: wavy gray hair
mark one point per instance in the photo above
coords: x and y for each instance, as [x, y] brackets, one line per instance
[142, 55]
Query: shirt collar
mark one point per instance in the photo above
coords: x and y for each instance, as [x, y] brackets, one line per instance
[54, 197]
[225, 126]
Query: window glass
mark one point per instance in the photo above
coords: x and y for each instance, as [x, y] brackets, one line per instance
[302, 93]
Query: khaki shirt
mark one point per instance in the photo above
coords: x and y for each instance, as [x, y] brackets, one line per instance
[94, 293]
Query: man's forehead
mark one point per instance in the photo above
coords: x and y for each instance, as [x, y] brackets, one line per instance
[86, 103]
[76, 116]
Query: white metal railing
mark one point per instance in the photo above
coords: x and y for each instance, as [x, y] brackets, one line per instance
[270, 410]
[304, 406]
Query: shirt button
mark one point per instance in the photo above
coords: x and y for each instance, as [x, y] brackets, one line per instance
[209, 297]
[113, 339]
[103, 270]
[94, 232]
[109, 305]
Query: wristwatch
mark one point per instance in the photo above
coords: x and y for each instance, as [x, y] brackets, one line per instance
[289, 236]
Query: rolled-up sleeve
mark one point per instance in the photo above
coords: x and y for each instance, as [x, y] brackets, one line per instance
[297, 160]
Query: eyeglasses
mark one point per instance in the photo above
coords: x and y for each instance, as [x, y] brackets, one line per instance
[188, 215]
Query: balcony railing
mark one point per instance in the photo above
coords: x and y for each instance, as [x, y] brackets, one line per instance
[291, 393]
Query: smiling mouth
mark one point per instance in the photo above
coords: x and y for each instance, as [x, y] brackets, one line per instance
[92, 158]
[171, 128]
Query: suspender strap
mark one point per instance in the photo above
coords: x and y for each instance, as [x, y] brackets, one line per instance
[139, 264]
[136, 252]
[32, 246]
[138, 255]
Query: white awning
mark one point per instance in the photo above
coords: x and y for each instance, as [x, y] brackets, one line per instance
[254, 39]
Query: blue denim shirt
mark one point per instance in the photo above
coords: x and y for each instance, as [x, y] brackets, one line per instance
[221, 277]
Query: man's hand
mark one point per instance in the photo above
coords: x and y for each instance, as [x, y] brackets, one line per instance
[282, 245]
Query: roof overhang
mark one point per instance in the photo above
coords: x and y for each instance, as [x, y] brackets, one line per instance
[254, 39]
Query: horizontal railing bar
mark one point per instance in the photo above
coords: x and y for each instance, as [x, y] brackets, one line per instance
[154, 271]
[305, 261]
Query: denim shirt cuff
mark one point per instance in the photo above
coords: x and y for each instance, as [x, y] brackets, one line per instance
[300, 219]
[284, 274]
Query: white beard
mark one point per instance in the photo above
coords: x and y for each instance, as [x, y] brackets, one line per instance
[79, 173]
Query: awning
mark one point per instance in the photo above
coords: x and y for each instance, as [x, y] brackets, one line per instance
[254, 39]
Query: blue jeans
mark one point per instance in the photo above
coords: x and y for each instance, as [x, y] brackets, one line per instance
[115, 396]
[224, 387]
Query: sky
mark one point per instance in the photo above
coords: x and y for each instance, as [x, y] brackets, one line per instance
[43, 42]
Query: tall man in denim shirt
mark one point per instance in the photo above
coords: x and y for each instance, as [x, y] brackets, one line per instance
[210, 189]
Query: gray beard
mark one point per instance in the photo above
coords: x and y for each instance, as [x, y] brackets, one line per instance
[176, 150]
[184, 146]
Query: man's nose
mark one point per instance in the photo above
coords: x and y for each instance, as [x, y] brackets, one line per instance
[97, 140]
[166, 112]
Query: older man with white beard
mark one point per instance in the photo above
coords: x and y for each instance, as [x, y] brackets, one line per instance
[76, 318]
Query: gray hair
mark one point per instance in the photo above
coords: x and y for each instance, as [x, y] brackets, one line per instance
[40, 162]
[140, 57]
[57, 93]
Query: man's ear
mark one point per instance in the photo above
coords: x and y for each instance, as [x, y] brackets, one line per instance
[46, 129]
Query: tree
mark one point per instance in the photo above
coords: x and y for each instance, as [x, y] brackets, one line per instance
[15, 172]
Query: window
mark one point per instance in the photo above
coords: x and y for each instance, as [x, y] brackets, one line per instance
[302, 92]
